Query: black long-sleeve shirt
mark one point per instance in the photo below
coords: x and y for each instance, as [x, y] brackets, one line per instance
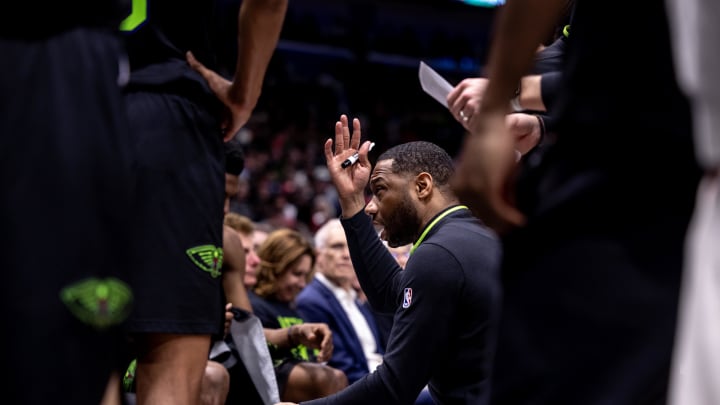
[446, 304]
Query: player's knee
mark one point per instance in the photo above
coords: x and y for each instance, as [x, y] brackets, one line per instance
[217, 375]
[340, 379]
[335, 381]
[215, 383]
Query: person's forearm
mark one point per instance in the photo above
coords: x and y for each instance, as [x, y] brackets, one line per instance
[530, 97]
[521, 26]
[235, 291]
[281, 337]
[349, 207]
[259, 25]
[233, 270]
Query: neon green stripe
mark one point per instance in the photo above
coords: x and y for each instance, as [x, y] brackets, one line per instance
[435, 221]
[136, 17]
[566, 30]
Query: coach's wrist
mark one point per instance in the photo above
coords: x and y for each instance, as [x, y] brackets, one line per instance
[349, 207]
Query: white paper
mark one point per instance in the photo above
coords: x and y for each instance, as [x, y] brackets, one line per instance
[434, 84]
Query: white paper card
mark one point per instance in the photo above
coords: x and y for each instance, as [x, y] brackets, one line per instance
[434, 84]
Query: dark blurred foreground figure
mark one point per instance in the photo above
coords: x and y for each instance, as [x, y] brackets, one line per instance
[446, 300]
[180, 112]
[66, 201]
[592, 265]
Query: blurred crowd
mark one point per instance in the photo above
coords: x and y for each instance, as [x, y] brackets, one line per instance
[285, 182]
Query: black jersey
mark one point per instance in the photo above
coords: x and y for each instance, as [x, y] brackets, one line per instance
[447, 308]
[601, 253]
[598, 69]
[274, 314]
[159, 36]
[600, 136]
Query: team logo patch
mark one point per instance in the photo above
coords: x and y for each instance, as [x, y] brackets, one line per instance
[128, 381]
[208, 257]
[98, 302]
[407, 297]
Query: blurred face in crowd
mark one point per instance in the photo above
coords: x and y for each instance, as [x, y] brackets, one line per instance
[294, 279]
[333, 259]
[252, 260]
[401, 254]
[258, 238]
[392, 206]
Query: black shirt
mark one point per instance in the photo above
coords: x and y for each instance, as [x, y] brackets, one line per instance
[591, 281]
[274, 314]
[447, 305]
[618, 104]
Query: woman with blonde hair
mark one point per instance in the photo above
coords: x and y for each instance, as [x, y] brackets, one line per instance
[286, 262]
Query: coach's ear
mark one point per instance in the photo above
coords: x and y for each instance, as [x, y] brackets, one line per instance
[424, 185]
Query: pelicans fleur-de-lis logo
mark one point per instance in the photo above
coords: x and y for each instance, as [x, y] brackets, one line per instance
[98, 302]
[208, 258]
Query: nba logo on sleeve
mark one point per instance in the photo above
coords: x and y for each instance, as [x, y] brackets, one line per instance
[407, 297]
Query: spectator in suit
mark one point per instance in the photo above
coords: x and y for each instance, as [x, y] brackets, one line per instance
[330, 298]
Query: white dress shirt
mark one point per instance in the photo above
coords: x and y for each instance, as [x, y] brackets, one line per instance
[348, 301]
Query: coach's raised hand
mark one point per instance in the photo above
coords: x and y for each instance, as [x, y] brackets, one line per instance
[350, 181]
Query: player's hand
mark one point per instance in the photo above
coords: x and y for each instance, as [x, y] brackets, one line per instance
[525, 129]
[484, 179]
[237, 112]
[464, 100]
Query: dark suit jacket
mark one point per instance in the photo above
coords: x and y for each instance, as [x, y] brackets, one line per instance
[316, 303]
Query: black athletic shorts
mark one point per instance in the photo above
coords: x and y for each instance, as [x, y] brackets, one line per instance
[178, 234]
[282, 373]
[65, 208]
[242, 389]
